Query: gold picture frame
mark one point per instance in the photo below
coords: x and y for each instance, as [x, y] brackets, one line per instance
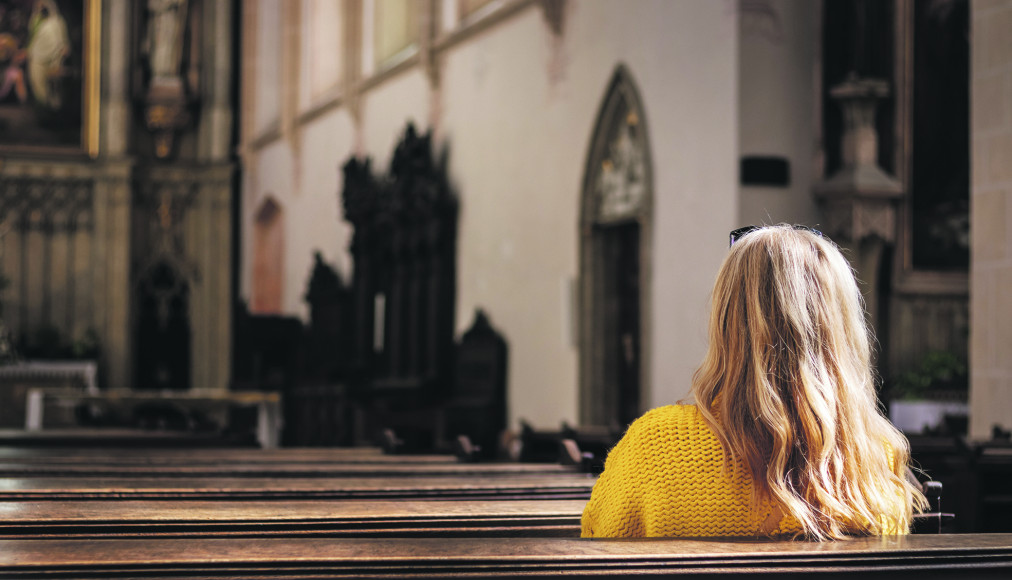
[50, 54]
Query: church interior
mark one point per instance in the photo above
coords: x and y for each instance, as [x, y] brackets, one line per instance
[295, 276]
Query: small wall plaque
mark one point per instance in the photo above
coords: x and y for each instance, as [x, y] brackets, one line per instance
[765, 171]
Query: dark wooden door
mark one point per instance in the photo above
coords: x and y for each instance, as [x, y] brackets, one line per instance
[620, 255]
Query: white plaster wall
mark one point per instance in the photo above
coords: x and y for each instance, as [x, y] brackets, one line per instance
[306, 182]
[516, 108]
[777, 105]
[267, 104]
[322, 38]
[518, 112]
[386, 110]
[317, 215]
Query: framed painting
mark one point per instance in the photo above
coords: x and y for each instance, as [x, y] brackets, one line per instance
[49, 76]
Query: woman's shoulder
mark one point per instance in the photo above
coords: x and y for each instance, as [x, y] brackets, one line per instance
[670, 413]
[667, 418]
[666, 436]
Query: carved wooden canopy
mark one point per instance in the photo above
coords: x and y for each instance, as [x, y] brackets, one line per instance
[403, 287]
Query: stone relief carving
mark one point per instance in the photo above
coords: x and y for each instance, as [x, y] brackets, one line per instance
[621, 183]
[49, 205]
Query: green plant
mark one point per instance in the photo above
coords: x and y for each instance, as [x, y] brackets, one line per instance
[86, 347]
[939, 375]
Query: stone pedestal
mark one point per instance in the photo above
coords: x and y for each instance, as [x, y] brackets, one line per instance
[859, 201]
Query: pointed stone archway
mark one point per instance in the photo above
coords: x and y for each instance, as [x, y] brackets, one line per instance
[615, 261]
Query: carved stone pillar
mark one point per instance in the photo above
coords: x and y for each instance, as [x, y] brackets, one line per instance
[215, 289]
[113, 206]
[859, 201]
[115, 103]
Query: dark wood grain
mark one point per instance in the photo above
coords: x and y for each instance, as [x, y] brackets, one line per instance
[562, 486]
[99, 468]
[939, 556]
[114, 437]
[190, 519]
[212, 455]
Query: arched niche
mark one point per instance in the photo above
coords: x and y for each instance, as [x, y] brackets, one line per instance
[615, 250]
[268, 258]
[163, 328]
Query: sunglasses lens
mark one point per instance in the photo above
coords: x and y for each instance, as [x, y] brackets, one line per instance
[741, 232]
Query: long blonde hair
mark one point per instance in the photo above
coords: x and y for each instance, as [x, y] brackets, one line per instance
[787, 386]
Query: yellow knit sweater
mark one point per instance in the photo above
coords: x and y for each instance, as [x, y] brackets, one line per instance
[666, 478]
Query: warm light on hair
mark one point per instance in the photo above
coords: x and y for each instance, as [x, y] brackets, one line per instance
[787, 387]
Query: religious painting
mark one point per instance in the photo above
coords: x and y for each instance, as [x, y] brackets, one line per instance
[49, 54]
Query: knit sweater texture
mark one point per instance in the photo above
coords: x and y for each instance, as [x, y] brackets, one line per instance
[665, 478]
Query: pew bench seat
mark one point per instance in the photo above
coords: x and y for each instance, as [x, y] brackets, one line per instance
[561, 486]
[285, 469]
[933, 556]
[213, 455]
[345, 518]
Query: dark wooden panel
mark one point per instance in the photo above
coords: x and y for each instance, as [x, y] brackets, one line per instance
[189, 519]
[563, 486]
[910, 556]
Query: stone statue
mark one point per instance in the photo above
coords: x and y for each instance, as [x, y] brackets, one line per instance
[166, 108]
[164, 41]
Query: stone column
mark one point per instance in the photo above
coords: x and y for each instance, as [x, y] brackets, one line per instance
[210, 245]
[115, 109]
[220, 286]
[991, 218]
[212, 362]
[113, 199]
[215, 133]
[113, 193]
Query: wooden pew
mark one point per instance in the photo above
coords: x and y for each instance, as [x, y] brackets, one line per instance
[367, 462]
[920, 557]
[559, 486]
[275, 469]
[993, 491]
[115, 437]
[345, 518]
[214, 455]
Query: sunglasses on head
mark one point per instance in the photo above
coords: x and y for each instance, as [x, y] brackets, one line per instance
[743, 231]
